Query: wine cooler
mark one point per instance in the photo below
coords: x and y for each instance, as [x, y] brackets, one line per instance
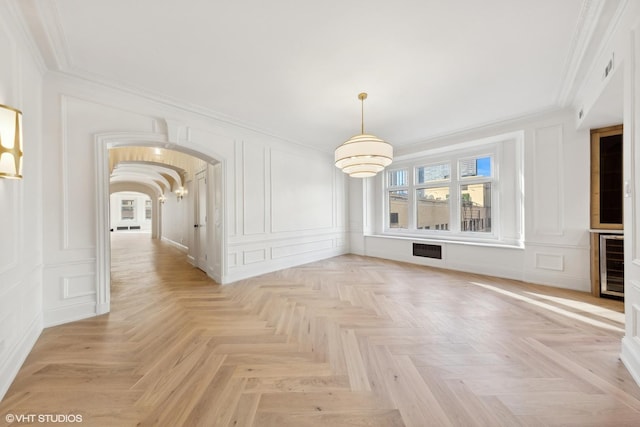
[612, 265]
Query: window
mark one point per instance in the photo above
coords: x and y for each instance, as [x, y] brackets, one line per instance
[425, 174]
[475, 194]
[432, 197]
[398, 197]
[435, 188]
[475, 207]
[454, 195]
[398, 209]
[127, 209]
[432, 208]
[398, 178]
[147, 209]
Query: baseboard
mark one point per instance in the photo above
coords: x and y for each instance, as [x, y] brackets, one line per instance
[215, 276]
[558, 280]
[103, 308]
[257, 269]
[630, 356]
[177, 245]
[69, 313]
[16, 359]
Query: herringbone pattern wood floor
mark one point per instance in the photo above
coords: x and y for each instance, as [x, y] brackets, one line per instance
[349, 341]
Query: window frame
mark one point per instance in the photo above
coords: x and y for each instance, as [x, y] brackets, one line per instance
[471, 180]
[131, 207]
[148, 209]
[436, 183]
[454, 182]
[390, 188]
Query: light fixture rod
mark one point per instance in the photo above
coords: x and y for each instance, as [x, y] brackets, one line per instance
[362, 96]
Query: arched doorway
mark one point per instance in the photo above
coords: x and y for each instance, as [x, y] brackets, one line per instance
[161, 184]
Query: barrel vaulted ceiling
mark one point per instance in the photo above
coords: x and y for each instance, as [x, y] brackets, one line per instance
[294, 68]
[163, 170]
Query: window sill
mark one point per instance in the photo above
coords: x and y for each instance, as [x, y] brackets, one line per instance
[451, 240]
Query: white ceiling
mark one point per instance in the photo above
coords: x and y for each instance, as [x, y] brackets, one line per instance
[294, 68]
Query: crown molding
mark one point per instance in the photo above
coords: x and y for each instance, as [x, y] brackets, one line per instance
[607, 36]
[53, 42]
[21, 27]
[586, 26]
[478, 130]
[596, 35]
[168, 101]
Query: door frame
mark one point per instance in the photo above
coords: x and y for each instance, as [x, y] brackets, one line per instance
[105, 141]
[199, 262]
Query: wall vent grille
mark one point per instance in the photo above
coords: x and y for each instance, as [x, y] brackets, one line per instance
[427, 251]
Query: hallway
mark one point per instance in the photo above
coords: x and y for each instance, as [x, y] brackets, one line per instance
[346, 341]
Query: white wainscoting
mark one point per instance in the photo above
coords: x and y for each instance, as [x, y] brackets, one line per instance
[21, 202]
[278, 254]
[69, 292]
[292, 209]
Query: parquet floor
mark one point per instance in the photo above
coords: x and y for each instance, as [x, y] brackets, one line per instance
[348, 341]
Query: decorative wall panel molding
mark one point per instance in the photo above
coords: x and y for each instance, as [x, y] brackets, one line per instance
[10, 225]
[250, 257]
[300, 198]
[78, 229]
[548, 182]
[549, 261]
[79, 286]
[299, 248]
[255, 182]
[232, 260]
[7, 331]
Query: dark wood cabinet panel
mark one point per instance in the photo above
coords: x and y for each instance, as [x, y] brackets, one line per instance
[606, 178]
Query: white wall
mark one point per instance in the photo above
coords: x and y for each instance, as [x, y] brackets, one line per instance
[137, 187]
[278, 204]
[289, 208]
[175, 219]
[555, 249]
[21, 209]
[621, 45]
[139, 217]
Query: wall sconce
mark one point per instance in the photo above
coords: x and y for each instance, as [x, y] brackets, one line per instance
[162, 199]
[10, 142]
[180, 192]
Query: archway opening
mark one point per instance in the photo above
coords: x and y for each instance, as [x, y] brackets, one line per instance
[182, 192]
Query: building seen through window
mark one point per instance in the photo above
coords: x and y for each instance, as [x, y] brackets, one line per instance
[452, 196]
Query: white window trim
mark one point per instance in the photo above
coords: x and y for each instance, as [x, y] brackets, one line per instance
[493, 147]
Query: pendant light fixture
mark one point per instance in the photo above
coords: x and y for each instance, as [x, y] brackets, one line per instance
[363, 155]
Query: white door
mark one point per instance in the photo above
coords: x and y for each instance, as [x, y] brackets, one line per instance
[200, 225]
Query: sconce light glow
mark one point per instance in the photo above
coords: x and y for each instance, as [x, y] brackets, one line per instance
[180, 192]
[162, 199]
[10, 142]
